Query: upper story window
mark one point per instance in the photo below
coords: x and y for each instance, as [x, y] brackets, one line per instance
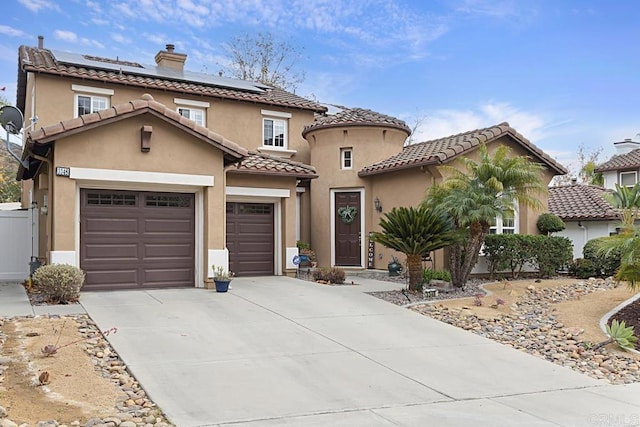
[346, 158]
[505, 224]
[90, 99]
[193, 110]
[628, 179]
[275, 129]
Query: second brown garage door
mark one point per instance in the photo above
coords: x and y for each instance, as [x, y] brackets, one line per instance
[250, 238]
[137, 239]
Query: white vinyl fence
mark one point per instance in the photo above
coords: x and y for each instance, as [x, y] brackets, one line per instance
[15, 244]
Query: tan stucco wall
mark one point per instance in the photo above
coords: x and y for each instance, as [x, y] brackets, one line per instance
[117, 147]
[240, 122]
[369, 145]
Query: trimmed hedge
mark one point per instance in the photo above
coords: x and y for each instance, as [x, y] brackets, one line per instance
[512, 251]
[550, 223]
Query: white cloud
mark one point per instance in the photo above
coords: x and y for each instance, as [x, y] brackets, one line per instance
[495, 8]
[11, 32]
[71, 37]
[68, 36]
[120, 38]
[37, 5]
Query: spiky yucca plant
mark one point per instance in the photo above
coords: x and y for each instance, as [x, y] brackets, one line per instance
[414, 232]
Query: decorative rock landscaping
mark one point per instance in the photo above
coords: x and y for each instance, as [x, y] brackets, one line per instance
[133, 409]
[533, 327]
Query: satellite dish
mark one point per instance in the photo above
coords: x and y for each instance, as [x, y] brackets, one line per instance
[11, 119]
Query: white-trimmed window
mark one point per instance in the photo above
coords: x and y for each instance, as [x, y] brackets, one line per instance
[628, 179]
[505, 224]
[275, 129]
[90, 99]
[192, 110]
[346, 158]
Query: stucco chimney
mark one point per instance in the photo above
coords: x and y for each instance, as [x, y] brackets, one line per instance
[40, 42]
[626, 146]
[170, 59]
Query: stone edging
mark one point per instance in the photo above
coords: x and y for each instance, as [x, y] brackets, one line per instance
[605, 319]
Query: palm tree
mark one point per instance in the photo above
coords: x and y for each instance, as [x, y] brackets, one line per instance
[627, 199]
[415, 232]
[478, 193]
[628, 243]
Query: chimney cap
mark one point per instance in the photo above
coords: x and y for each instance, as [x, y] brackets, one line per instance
[170, 47]
[40, 42]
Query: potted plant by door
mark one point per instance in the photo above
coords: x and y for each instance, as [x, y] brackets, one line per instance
[221, 278]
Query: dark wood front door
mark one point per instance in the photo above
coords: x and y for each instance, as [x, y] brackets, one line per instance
[347, 220]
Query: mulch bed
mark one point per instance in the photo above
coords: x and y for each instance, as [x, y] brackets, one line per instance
[630, 315]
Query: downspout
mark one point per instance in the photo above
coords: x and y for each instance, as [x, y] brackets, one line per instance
[586, 234]
[49, 223]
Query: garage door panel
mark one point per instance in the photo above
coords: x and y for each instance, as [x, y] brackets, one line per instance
[106, 278]
[111, 225]
[168, 252]
[111, 252]
[169, 225]
[137, 239]
[166, 276]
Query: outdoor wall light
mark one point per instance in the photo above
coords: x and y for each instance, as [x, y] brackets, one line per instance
[377, 204]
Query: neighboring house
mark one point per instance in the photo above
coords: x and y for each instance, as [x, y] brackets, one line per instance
[586, 213]
[623, 167]
[146, 176]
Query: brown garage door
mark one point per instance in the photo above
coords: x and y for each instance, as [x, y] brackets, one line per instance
[137, 239]
[250, 238]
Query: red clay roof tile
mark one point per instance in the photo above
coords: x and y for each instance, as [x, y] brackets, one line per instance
[580, 202]
[43, 61]
[631, 160]
[355, 117]
[264, 164]
[445, 149]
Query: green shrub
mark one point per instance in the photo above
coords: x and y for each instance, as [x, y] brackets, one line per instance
[332, 275]
[552, 253]
[605, 264]
[582, 268]
[429, 274]
[550, 223]
[508, 252]
[513, 251]
[59, 283]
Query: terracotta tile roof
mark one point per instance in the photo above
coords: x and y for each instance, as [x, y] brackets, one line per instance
[631, 160]
[233, 152]
[355, 117]
[43, 61]
[264, 164]
[443, 150]
[580, 202]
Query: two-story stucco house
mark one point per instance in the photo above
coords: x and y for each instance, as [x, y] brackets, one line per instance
[148, 175]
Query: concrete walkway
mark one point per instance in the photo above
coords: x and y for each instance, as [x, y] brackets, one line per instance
[14, 302]
[275, 351]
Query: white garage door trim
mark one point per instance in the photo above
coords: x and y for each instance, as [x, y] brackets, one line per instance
[136, 186]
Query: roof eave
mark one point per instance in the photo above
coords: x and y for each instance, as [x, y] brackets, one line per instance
[312, 128]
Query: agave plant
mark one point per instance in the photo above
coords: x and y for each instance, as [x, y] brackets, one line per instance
[619, 333]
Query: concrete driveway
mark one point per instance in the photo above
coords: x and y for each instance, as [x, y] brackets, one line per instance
[276, 351]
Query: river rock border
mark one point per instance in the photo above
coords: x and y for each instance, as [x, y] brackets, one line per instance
[533, 327]
[133, 409]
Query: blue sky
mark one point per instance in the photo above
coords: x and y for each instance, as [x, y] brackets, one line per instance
[564, 73]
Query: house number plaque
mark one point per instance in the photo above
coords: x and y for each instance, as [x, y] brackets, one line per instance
[63, 171]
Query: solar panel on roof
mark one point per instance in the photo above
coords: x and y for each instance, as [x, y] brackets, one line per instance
[71, 58]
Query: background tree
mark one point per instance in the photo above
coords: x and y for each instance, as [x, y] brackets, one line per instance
[588, 160]
[261, 58]
[415, 232]
[477, 194]
[9, 187]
